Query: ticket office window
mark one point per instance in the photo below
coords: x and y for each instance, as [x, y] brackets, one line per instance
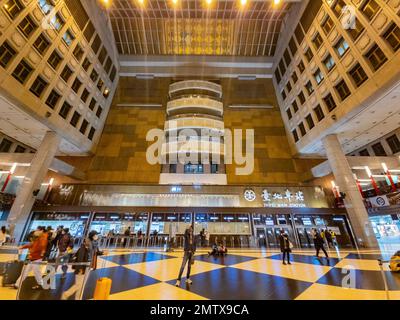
[117, 223]
[162, 222]
[75, 222]
[109, 224]
[271, 220]
[223, 224]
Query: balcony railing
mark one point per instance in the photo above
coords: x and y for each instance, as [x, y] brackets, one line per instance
[195, 85]
[194, 147]
[194, 123]
[195, 104]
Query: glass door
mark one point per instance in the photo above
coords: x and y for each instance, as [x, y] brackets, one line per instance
[305, 237]
[260, 233]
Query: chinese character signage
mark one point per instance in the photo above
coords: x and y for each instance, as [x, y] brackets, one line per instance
[283, 197]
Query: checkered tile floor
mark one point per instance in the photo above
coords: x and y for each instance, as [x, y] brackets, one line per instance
[242, 275]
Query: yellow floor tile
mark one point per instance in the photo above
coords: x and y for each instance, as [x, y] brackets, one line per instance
[165, 270]
[102, 264]
[7, 293]
[332, 254]
[109, 253]
[297, 271]
[325, 292]
[361, 264]
[7, 257]
[253, 254]
[159, 291]
[177, 254]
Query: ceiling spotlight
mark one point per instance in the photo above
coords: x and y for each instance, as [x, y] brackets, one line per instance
[209, 2]
[276, 2]
[243, 2]
[175, 2]
[106, 3]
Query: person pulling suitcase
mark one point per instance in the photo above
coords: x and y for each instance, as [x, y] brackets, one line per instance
[37, 249]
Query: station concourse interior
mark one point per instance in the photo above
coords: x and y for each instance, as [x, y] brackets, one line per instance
[304, 94]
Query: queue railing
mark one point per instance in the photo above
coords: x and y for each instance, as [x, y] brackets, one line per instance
[53, 287]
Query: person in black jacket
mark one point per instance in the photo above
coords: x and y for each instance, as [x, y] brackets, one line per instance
[319, 244]
[189, 250]
[285, 247]
[82, 255]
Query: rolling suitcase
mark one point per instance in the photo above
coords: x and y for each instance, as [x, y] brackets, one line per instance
[12, 271]
[103, 289]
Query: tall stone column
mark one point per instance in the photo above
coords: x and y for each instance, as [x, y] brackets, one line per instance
[37, 171]
[357, 212]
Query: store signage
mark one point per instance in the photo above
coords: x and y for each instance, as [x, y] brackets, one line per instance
[250, 195]
[380, 201]
[307, 222]
[278, 199]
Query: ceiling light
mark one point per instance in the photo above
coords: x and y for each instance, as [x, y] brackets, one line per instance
[243, 2]
[106, 3]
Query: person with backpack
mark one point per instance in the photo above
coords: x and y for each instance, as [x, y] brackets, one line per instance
[334, 239]
[285, 246]
[65, 246]
[82, 255]
[319, 245]
[329, 239]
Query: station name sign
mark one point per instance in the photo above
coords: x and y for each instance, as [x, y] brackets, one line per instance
[275, 199]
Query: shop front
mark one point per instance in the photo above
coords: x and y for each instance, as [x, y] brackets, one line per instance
[77, 222]
[387, 228]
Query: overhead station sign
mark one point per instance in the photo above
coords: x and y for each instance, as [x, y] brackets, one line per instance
[275, 199]
[279, 197]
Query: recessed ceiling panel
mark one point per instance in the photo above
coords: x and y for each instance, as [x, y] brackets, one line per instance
[193, 28]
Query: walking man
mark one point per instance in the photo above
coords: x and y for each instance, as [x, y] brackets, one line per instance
[82, 255]
[319, 245]
[65, 246]
[285, 247]
[189, 250]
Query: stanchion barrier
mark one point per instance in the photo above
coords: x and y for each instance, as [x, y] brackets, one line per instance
[49, 277]
[383, 273]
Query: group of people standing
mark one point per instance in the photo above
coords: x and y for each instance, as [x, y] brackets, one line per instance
[320, 239]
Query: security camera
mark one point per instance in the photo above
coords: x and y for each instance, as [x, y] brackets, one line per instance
[36, 192]
[334, 117]
[48, 114]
